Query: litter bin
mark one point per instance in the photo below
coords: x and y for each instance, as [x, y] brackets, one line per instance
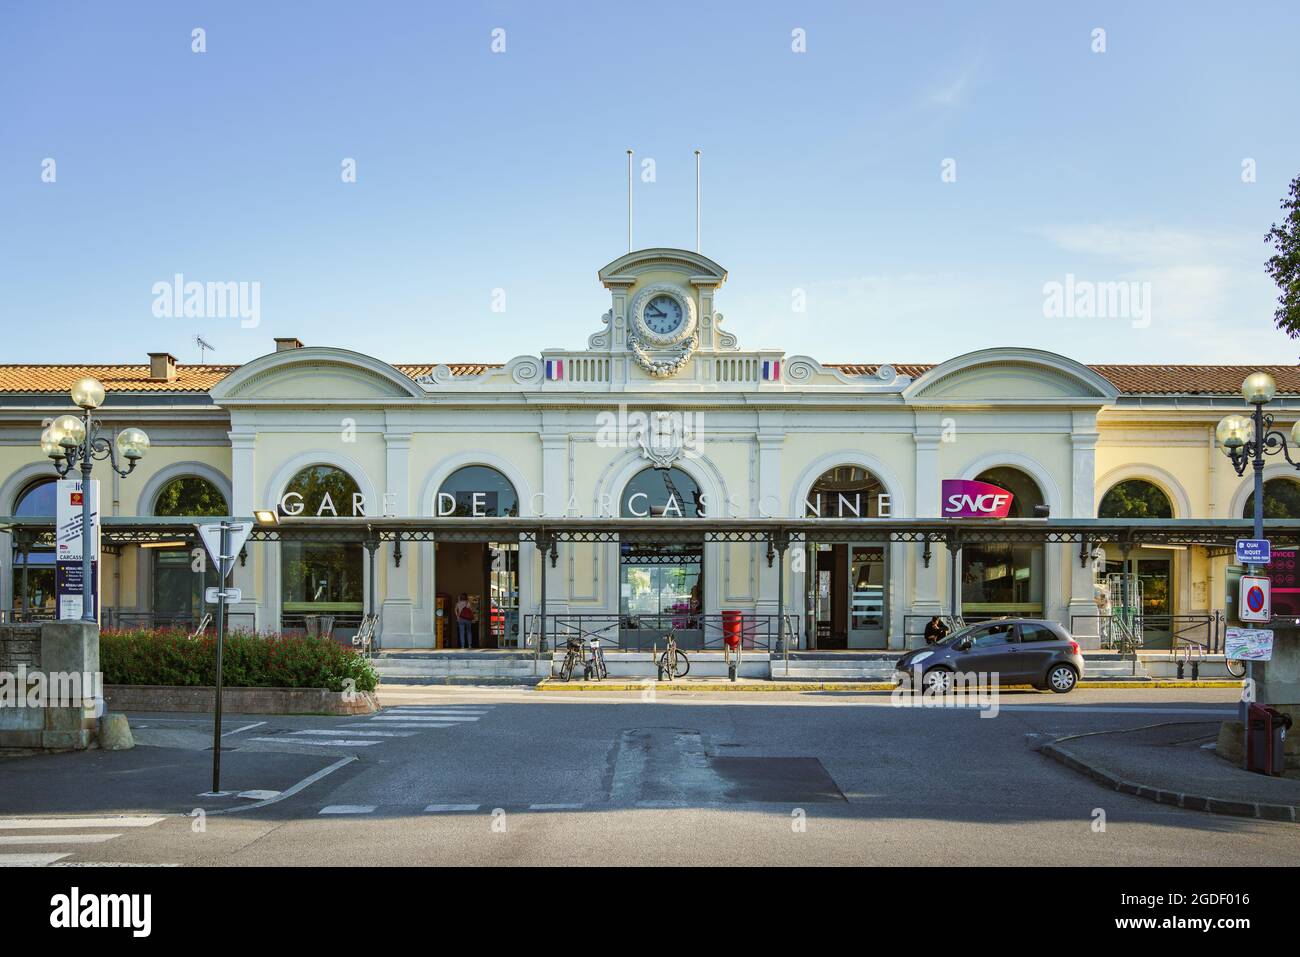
[731, 629]
[1266, 741]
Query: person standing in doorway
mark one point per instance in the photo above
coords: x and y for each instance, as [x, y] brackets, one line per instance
[464, 618]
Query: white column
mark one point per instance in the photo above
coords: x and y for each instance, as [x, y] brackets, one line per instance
[555, 485]
[396, 619]
[769, 504]
[926, 599]
[243, 488]
[1083, 491]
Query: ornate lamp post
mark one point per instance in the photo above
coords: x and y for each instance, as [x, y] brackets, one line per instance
[72, 440]
[1246, 440]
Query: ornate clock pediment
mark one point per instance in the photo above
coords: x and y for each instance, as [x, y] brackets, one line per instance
[662, 311]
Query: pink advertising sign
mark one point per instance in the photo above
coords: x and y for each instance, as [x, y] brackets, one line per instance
[966, 498]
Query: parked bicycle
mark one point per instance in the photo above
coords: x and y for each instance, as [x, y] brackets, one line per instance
[594, 666]
[673, 662]
[572, 658]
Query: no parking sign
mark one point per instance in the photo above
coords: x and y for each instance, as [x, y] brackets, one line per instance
[1255, 604]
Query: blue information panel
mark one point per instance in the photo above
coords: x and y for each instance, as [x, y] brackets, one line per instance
[1253, 551]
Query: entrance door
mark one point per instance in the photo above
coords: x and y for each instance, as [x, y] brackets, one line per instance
[866, 581]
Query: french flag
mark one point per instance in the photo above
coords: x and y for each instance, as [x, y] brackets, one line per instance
[554, 369]
[771, 370]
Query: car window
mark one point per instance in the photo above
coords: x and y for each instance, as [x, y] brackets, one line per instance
[1038, 633]
[994, 635]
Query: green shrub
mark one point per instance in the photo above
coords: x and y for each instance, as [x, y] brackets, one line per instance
[172, 657]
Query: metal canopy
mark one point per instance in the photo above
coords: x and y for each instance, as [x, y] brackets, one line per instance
[779, 532]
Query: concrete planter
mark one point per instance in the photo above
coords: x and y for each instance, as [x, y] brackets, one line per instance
[239, 700]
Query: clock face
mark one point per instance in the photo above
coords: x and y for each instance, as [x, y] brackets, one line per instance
[663, 315]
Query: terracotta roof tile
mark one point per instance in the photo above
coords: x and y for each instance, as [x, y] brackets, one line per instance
[123, 378]
[1128, 379]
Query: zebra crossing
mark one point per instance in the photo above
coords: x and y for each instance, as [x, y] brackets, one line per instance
[31, 849]
[400, 721]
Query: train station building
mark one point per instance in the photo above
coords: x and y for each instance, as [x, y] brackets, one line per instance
[662, 410]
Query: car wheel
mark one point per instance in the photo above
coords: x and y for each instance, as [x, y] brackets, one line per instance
[1062, 679]
[938, 681]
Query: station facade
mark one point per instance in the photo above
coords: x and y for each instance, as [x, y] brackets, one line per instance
[663, 413]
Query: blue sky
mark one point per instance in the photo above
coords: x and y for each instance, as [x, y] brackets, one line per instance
[479, 171]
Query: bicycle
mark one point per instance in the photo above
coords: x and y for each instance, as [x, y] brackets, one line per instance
[572, 656]
[673, 662]
[594, 665]
[1235, 666]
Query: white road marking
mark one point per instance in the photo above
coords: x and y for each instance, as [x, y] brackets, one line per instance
[348, 809]
[56, 838]
[304, 783]
[29, 860]
[14, 823]
[398, 723]
[556, 807]
[442, 808]
[415, 720]
[247, 727]
[442, 710]
[334, 742]
[358, 734]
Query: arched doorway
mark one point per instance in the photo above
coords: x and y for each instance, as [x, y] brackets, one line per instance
[845, 602]
[661, 584]
[34, 589]
[321, 583]
[180, 574]
[476, 584]
[1146, 581]
[1005, 579]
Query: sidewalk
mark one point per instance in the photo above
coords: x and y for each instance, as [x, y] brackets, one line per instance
[1170, 764]
[776, 684]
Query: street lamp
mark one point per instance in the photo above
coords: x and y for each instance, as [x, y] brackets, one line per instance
[72, 440]
[1246, 440]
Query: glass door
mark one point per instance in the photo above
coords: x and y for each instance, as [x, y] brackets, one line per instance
[866, 578]
[503, 587]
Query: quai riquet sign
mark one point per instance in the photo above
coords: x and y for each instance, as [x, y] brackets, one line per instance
[966, 498]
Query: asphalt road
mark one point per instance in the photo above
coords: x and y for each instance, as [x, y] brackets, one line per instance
[512, 776]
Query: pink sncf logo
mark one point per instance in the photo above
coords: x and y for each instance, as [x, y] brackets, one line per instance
[966, 498]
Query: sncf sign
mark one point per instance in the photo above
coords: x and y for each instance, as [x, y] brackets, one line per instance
[966, 498]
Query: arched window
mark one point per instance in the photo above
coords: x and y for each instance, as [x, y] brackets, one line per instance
[321, 578]
[181, 574]
[33, 568]
[1135, 498]
[662, 493]
[477, 491]
[322, 491]
[661, 586]
[1005, 579]
[1281, 500]
[847, 491]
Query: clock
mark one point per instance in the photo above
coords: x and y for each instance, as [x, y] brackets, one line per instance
[663, 315]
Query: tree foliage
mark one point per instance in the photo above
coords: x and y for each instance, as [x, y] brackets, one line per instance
[1284, 265]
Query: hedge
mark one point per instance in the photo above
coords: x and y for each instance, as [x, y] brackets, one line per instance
[172, 657]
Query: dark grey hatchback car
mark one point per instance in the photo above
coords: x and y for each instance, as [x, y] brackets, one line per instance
[1009, 651]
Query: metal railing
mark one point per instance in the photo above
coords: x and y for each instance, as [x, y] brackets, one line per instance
[120, 620]
[695, 631]
[1126, 634]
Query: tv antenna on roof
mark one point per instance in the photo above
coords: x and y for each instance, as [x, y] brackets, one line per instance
[203, 345]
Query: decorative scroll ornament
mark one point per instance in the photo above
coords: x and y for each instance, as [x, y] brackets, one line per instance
[668, 366]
